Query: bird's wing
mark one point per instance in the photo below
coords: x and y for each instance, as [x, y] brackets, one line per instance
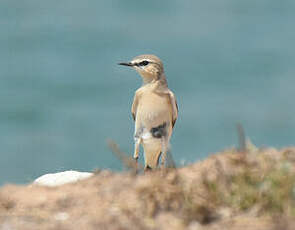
[174, 107]
[134, 105]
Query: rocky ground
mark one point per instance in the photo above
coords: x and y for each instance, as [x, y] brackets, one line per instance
[229, 190]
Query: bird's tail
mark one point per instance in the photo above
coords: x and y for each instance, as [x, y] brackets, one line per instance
[152, 152]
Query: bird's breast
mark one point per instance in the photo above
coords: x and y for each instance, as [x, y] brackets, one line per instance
[153, 110]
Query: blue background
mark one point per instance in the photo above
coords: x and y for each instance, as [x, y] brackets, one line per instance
[62, 95]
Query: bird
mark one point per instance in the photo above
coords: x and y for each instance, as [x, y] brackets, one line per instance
[154, 111]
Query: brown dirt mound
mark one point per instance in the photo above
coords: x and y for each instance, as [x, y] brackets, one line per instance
[229, 190]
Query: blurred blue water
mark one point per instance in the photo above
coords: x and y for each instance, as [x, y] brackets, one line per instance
[62, 94]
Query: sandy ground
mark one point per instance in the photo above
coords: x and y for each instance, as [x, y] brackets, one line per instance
[171, 199]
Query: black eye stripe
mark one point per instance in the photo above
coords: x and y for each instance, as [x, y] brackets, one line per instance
[143, 63]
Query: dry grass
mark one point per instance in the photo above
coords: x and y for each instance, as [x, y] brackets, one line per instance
[255, 183]
[230, 190]
[245, 180]
[262, 183]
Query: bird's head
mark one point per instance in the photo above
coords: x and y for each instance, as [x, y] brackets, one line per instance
[149, 67]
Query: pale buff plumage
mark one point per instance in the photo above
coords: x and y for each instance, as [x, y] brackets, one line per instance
[154, 110]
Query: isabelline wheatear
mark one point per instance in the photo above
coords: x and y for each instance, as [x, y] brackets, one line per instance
[154, 110]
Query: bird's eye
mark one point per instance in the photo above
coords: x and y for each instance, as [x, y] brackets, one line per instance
[143, 63]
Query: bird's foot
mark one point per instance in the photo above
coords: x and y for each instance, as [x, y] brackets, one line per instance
[136, 165]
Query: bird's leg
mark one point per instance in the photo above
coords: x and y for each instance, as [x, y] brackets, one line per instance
[136, 152]
[164, 151]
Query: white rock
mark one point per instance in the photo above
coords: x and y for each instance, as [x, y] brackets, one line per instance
[61, 216]
[60, 178]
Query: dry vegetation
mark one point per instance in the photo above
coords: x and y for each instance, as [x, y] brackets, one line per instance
[254, 189]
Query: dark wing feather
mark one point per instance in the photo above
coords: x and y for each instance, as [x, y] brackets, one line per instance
[174, 120]
[174, 108]
[133, 116]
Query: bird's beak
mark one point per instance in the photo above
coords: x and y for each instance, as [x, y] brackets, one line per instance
[126, 63]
